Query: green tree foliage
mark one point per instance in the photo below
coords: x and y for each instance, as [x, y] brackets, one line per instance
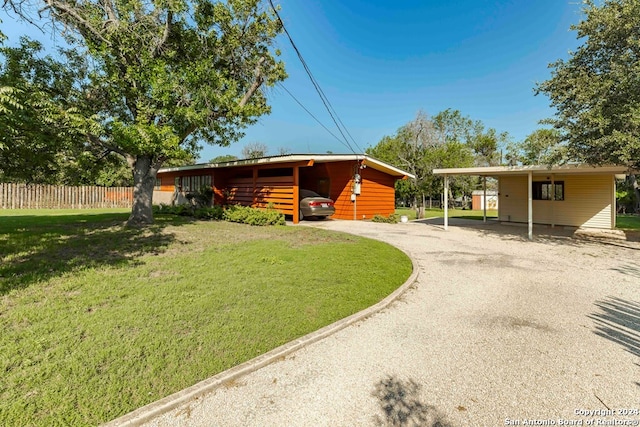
[43, 122]
[446, 140]
[597, 90]
[254, 150]
[541, 147]
[224, 158]
[485, 143]
[165, 76]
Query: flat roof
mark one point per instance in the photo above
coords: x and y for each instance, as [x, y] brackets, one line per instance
[534, 169]
[289, 158]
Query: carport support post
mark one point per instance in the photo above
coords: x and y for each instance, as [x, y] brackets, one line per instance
[484, 198]
[530, 204]
[446, 202]
[553, 198]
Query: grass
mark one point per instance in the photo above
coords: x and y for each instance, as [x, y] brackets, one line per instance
[623, 221]
[628, 222]
[457, 213]
[98, 319]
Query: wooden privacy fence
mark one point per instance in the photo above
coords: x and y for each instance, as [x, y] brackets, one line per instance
[24, 196]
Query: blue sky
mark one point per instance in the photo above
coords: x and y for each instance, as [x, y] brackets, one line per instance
[380, 61]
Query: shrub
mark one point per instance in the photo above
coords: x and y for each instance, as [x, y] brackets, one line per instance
[182, 210]
[253, 216]
[233, 213]
[201, 198]
[391, 219]
[212, 213]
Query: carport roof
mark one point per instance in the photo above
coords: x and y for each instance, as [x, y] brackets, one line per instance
[534, 169]
[291, 158]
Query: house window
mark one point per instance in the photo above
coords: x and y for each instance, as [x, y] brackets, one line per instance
[543, 190]
[158, 184]
[192, 183]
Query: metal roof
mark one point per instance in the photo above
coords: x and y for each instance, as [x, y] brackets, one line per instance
[534, 169]
[289, 158]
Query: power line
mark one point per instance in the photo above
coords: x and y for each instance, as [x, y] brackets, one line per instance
[311, 114]
[316, 85]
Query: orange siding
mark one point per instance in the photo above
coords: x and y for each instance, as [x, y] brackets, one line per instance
[377, 193]
[243, 186]
[167, 180]
[341, 175]
[277, 190]
[240, 191]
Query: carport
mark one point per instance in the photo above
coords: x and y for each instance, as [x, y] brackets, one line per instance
[568, 195]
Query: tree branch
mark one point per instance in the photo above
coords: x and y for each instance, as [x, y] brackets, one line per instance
[259, 79]
[188, 131]
[165, 35]
[62, 8]
[111, 13]
[95, 140]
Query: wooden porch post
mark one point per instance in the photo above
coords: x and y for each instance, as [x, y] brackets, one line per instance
[296, 194]
[255, 182]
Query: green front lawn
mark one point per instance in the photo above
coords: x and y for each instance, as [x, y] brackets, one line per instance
[623, 222]
[98, 319]
[628, 222]
[458, 213]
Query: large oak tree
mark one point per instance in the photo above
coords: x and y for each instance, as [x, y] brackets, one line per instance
[445, 140]
[596, 91]
[165, 76]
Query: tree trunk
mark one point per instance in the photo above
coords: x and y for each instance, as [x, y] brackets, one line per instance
[421, 211]
[144, 178]
[636, 191]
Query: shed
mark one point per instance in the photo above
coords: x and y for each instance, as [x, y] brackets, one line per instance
[360, 185]
[569, 195]
[481, 198]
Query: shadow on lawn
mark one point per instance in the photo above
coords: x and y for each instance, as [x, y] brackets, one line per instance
[35, 248]
[401, 405]
[619, 321]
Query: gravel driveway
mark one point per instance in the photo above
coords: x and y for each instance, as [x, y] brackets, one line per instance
[497, 330]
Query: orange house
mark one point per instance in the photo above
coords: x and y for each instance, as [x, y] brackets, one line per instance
[360, 185]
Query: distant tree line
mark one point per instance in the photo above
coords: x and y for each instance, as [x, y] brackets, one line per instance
[446, 140]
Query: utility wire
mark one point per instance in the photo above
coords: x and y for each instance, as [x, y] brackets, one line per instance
[311, 114]
[323, 97]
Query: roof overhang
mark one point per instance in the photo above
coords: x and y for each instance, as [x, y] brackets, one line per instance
[309, 159]
[496, 171]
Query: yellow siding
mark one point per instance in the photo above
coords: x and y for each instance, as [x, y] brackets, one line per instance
[512, 198]
[587, 201]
